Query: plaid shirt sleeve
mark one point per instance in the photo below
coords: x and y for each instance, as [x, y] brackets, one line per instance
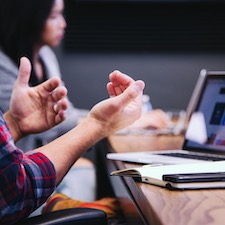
[26, 179]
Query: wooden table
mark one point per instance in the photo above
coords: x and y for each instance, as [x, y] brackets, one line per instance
[149, 204]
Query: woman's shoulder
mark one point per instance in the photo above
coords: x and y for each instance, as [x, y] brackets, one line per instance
[6, 62]
[46, 50]
[7, 66]
[47, 54]
[49, 58]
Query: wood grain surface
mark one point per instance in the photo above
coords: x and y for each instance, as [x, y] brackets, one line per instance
[161, 206]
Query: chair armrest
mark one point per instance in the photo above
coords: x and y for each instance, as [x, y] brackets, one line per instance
[78, 216]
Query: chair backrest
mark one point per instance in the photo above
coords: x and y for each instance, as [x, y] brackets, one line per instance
[77, 216]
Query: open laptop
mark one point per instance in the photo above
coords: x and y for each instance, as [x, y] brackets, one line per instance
[208, 99]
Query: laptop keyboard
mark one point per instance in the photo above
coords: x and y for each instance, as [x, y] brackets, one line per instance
[192, 156]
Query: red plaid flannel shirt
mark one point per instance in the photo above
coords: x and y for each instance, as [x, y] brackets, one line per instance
[26, 179]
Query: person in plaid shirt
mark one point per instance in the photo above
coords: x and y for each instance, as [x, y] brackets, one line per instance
[28, 179]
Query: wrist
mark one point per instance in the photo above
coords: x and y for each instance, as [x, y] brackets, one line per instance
[13, 126]
[99, 130]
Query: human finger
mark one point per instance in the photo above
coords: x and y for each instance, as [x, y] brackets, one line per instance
[131, 93]
[59, 93]
[50, 84]
[119, 82]
[60, 116]
[114, 90]
[119, 78]
[24, 72]
[60, 106]
[110, 89]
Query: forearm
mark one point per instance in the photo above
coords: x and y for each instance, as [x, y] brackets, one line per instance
[65, 150]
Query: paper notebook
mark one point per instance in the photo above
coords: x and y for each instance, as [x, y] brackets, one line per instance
[153, 174]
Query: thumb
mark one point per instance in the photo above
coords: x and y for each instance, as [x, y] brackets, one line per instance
[24, 71]
[131, 93]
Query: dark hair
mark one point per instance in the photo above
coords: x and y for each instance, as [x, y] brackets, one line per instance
[21, 25]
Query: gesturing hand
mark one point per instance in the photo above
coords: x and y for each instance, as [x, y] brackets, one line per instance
[36, 109]
[124, 106]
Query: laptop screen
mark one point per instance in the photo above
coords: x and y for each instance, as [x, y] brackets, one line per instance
[211, 104]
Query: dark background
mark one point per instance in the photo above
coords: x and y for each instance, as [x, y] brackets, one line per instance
[165, 43]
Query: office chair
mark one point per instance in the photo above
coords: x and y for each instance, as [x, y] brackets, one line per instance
[73, 216]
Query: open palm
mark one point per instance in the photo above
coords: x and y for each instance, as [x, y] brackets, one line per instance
[32, 107]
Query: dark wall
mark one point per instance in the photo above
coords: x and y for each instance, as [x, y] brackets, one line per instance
[169, 78]
[164, 44]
